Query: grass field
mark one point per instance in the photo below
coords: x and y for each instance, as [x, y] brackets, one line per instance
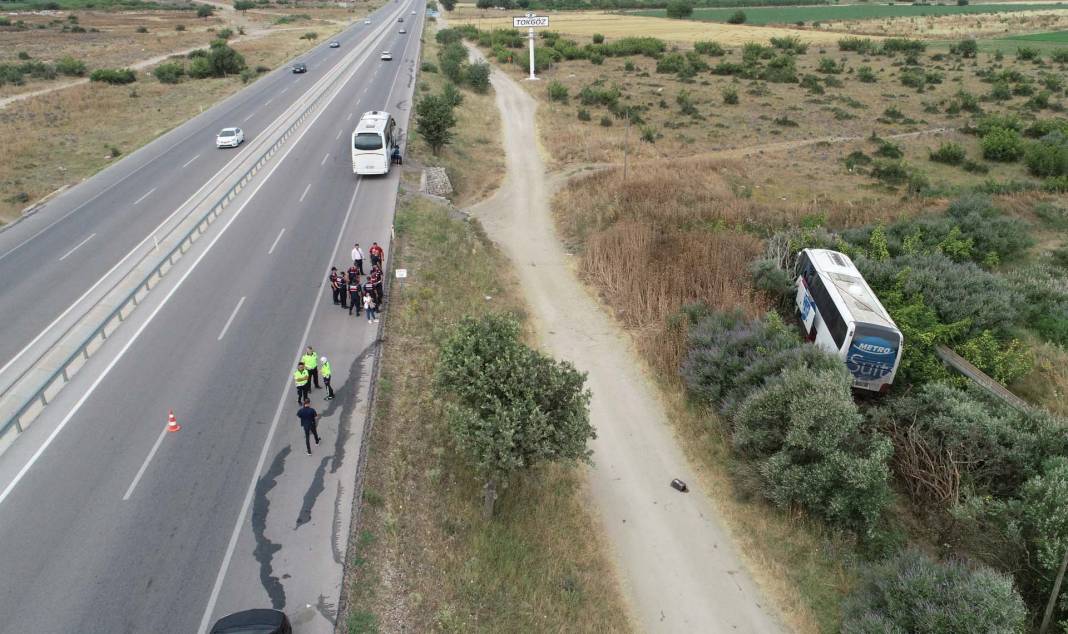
[792, 15]
[1041, 41]
[97, 5]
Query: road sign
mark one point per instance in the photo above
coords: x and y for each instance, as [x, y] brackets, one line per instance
[529, 21]
[402, 273]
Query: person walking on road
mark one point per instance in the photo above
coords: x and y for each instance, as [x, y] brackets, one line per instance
[309, 421]
[354, 294]
[325, 370]
[311, 364]
[300, 377]
[357, 258]
[376, 254]
[369, 305]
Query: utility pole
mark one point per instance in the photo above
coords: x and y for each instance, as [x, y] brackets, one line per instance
[1053, 596]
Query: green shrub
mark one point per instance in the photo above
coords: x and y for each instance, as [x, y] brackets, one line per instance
[965, 48]
[738, 17]
[113, 75]
[812, 84]
[478, 77]
[583, 114]
[70, 67]
[1000, 91]
[557, 92]
[679, 9]
[428, 67]
[781, 69]
[790, 44]
[594, 95]
[890, 172]
[200, 68]
[949, 153]
[910, 592]
[712, 49]
[829, 66]
[169, 72]
[606, 121]
[598, 38]
[310, 35]
[648, 134]
[1026, 53]
[1048, 156]
[451, 94]
[1002, 145]
[894, 45]
[1055, 185]
[730, 95]
[226, 34]
[862, 45]
[889, 150]
[804, 430]
[866, 75]
[1041, 127]
[1059, 55]
[1043, 500]
[179, 27]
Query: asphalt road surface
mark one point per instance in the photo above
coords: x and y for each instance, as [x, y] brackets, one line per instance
[108, 523]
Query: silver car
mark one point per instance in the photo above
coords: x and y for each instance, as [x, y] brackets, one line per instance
[230, 137]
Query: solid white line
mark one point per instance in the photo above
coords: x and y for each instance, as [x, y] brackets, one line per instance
[186, 164]
[76, 247]
[231, 320]
[273, 245]
[323, 162]
[144, 465]
[305, 193]
[240, 523]
[146, 195]
[122, 352]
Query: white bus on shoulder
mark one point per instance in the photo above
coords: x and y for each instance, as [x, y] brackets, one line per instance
[841, 314]
[372, 143]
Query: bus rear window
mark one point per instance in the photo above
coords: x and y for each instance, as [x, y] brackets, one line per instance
[368, 141]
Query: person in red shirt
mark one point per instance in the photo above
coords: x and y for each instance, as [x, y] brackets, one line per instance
[376, 254]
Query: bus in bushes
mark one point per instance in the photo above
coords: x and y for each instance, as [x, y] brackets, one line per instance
[840, 314]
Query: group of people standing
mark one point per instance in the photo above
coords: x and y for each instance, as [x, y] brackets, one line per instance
[351, 293]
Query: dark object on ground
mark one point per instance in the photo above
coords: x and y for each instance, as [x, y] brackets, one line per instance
[679, 485]
[259, 621]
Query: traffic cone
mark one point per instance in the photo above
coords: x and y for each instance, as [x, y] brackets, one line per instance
[172, 422]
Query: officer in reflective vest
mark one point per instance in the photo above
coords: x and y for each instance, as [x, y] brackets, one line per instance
[311, 361]
[324, 368]
[300, 377]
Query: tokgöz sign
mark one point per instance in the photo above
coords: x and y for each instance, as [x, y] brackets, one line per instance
[530, 21]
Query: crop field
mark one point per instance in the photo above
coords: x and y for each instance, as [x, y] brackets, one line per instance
[792, 15]
[1045, 42]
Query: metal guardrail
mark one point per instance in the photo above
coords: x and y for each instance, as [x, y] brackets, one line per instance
[980, 378]
[49, 386]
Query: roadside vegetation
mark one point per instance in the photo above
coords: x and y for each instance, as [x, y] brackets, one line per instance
[942, 174]
[756, 14]
[424, 557]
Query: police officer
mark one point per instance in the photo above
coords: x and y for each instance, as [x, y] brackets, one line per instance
[324, 368]
[342, 286]
[334, 286]
[354, 294]
[311, 362]
[300, 377]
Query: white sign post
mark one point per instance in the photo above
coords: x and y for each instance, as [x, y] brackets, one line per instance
[531, 21]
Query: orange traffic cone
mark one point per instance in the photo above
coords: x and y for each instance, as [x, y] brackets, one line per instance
[172, 422]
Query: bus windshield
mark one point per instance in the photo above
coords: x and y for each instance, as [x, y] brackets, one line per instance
[368, 141]
[873, 352]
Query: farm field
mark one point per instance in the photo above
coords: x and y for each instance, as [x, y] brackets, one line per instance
[739, 155]
[792, 15]
[1045, 42]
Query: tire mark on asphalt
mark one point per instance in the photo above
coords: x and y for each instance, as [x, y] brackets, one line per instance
[265, 548]
[318, 485]
[335, 530]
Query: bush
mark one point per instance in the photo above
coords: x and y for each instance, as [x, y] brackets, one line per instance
[965, 48]
[911, 592]
[115, 76]
[804, 430]
[606, 121]
[730, 95]
[179, 27]
[679, 9]
[862, 45]
[583, 114]
[949, 153]
[1000, 91]
[557, 92]
[738, 17]
[169, 72]
[205, 11]
[478, 77]
[712, 49]
[428, 67]
[70, 67]
[1048, 156]
[142, 29]
[866, 75]
[1026, 54]
[226, 34]
[889, 150]
[1002, 145]
[1043, 500]
[593, 95]
[890, 172]
[310, 35]
[790, 44]
[829, 66]
[451, 94]
[452, 58]
[598, 38]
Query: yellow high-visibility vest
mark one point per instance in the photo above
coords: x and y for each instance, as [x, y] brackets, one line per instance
[310, 361]
[325, 370]
[301, 377]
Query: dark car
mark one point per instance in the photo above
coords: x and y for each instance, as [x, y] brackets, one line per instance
[300, 68]
[400, 19]
[260, 621]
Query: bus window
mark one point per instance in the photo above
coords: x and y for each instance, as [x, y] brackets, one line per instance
[368, 141]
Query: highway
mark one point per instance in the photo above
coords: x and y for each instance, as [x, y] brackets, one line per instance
[107, 522]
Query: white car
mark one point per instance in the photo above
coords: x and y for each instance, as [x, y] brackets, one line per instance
[230, 137]
[386, 56]
[402, 31]
[413, 12]
[335, 44]
[366, 21]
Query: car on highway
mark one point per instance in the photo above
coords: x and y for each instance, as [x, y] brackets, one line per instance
[413, 12]
[386, 56]
[261, 621]
[300, 68]
[335, 44]
[400, 19]
[402, 31]
[366, 21]
[230, 137]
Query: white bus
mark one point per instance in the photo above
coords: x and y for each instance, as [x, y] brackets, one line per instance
[372, 143]
[840, 314]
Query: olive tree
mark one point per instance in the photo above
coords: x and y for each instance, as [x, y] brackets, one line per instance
[510, 407]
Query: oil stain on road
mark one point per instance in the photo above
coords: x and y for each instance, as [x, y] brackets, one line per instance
[265, 548]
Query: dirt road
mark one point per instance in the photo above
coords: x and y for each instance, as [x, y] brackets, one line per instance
[678, 568]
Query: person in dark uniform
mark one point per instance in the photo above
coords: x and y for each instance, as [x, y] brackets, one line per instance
[355, 301]
[309, 420]
[334, 288]
[342, 286]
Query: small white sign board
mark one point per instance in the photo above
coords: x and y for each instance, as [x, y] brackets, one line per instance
[402, 273]
[529, 21]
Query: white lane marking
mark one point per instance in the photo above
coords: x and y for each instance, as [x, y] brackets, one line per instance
[305, 192]
[275, 243]
[323, 162]
[76, 247]
[122, 352]
[349, 118]
[231, 319]
[286, 394]
[283, 91]
[250, 115]
[144, 465]
[186, 164]
[338, 135]
[147, 194]
[268, 101]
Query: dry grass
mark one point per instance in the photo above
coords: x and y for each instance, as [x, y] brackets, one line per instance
[583, 24]
[1047, 384]
[424, 559]
[956, 26]
[474, 159]
[63, 137]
